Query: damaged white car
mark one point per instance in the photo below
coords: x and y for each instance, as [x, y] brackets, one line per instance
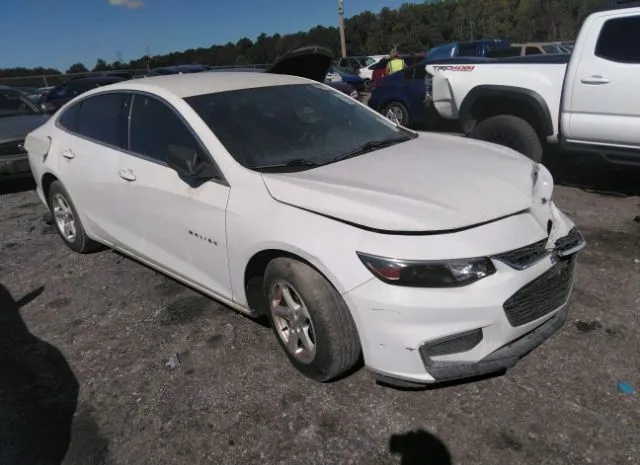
[434, 257]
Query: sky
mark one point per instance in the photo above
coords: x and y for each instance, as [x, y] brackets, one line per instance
[58, 33]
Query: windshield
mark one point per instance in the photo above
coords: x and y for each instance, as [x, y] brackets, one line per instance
[13, 103]
[303, 125]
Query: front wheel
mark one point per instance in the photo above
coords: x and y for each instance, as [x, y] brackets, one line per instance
[367, 85]
[310, 320]
[510, 131]
[397, 113]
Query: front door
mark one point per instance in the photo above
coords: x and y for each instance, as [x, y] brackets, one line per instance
[183, 227]
[602, 107]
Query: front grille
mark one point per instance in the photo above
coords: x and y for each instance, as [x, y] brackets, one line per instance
[542, 295]
[11, 148]
[525, 256]
[569, 242]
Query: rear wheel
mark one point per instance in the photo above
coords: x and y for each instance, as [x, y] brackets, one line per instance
[397, 113]
[310, 320]
[510, 131]
[67, 221]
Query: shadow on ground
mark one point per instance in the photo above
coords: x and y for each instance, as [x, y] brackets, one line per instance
[15, 186]
[592, 173]
[38, 391]
[419, 448]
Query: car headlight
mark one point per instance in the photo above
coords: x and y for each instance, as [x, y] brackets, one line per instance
[541, 182]
[354, 94]
[441, 273]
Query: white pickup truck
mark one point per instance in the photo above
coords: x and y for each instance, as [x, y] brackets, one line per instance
[587, 101]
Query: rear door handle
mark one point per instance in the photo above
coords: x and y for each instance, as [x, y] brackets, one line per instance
[68, 153]
[127, 175]
[595, 80]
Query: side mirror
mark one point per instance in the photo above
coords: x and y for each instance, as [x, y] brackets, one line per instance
[189, 164]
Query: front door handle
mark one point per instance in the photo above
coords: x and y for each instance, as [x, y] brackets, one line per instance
[127, 175]
[595, 80]
[68, 153]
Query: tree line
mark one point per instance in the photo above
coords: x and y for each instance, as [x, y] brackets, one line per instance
[410, 28]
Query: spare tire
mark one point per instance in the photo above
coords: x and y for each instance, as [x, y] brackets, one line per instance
[510, 131]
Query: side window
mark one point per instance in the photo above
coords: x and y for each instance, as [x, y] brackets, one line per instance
[532, 51]
[69, 118]
[103, 118]
[408, 72]
[420, 73]
[619, 39]
[77, 89]
[469, 50]
[156, 130]
[59, 92]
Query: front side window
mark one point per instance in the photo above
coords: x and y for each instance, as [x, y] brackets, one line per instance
[304, 125]
[103, 118]
[619, 39]
[61, 91]
[532, 51]
[468, 50]
[13, 103]
[156, 130]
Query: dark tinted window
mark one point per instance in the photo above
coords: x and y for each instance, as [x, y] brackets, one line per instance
[104, 118]
[60, 92]
[156, 130]
[69, 118]
[270, 126]
[420, 72]
[619, 40]
[532, 51]
[467, 50]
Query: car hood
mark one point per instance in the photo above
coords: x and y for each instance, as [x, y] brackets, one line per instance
[428, 184]
[17, 127]
[307, 62]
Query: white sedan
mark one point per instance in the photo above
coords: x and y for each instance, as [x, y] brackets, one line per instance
[434, 257]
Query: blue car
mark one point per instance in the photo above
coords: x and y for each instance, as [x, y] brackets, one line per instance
[402, 96]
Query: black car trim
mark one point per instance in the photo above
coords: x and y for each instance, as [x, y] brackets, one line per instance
[520, 94]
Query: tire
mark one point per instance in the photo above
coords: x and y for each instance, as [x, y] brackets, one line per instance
[398, 111]
[367, 85]
[59, 199]
[510, 131]
[331, 329]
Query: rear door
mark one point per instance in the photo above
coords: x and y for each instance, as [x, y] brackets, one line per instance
[89, 152]
[183, 227]
[602, 106]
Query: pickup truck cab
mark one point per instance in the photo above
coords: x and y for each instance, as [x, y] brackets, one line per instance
[586, 101]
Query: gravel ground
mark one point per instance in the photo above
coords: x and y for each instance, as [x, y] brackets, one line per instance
[111, 325]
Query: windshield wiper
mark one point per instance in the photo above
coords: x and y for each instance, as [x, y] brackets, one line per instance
[295, 162]
[370, 147]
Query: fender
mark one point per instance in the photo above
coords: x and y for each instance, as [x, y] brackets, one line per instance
[519, 94]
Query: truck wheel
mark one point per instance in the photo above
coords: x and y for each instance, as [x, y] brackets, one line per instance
[311, 320]
[397, 113]
[510, 131]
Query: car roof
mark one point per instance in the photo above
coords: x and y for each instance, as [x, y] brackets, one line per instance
[189, 85]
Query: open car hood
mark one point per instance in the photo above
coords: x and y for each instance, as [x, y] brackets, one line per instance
[308, 62]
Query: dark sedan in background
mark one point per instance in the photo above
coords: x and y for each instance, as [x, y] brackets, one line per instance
[62, 93]
[18, 117]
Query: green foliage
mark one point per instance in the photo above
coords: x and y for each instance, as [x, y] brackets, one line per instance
[410, 28]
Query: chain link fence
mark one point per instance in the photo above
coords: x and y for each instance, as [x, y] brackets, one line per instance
[51, 80]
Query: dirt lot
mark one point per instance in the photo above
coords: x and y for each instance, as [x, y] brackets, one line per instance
[111, 325]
